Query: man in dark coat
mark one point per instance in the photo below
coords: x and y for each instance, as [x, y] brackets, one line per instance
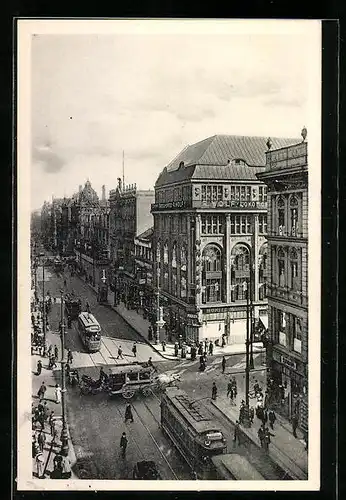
[295, 424]
[211, 348]
[214, 392]
[39, 367]
[128, 413]
[134, 349]
[271, 418]
[123, 444]
[223, 364]
[236, 435]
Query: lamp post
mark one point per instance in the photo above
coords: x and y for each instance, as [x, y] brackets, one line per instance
[64, 435]
[246, 409]
[160, 322]
[250, 292]
[43, 304]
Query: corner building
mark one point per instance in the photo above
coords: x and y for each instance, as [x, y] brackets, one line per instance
[210, 226]
[286, 176]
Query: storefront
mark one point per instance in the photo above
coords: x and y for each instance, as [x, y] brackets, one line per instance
[289, 373]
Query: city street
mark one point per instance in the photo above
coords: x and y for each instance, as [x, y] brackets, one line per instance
[96, 422]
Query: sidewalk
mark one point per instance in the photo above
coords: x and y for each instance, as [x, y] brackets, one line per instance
[285, 450]
[50, 378]
[141, 325]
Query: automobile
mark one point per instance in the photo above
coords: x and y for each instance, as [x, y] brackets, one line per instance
[146, 469]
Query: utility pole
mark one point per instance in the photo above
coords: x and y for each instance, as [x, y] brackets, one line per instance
[44, 305]
[159, 320]
[64, 434]
[246, 410]
[251, 290]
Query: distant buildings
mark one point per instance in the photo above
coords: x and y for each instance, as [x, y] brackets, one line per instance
[210, 225]
[129, 217]
[286, 175]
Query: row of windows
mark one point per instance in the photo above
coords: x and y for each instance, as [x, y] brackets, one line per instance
[144, 252]
[212, 193]
[287, 217]
[288, 330]
[287, 268]
[240, 224]
[172, 223]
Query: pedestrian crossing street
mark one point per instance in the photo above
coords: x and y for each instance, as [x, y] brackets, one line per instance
[211, 367]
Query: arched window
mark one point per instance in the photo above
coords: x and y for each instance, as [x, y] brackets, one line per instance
[212, 274]
[294, 205]
[294, 268]
[240, 266]
[281, 267]
[281, 215]
[165, 253]
[158, 251]
[174, 256]
[212, 258]
[262, 274]
[183, 258]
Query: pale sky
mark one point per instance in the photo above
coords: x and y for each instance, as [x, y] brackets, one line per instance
[151, 95]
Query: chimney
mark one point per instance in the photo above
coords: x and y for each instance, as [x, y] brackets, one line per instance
[80, 188]
[103, 193]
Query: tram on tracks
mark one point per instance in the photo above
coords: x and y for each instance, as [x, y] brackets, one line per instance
[192, 429]
[234, 467]
[73, 305]
[89, 331]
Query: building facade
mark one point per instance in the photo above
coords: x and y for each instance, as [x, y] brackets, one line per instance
[89, 222]
[129, 217]
[145, 296]
[286, 176]
[210, 225]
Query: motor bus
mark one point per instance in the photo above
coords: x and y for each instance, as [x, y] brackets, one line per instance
[73, 305]
[234, 467]
[192, 429]
[128, 379]
[89, 331]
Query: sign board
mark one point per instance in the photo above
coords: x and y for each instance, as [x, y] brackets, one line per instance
[288, 362]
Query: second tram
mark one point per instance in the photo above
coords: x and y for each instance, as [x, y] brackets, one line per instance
[89, 331]
[192, 429]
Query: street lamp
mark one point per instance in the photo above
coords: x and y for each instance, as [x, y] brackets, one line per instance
[64, 434]
[160, 322]
[246, 410]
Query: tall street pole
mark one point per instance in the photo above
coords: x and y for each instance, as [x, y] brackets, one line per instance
[158, 308]
[246, 414]
[251, 290]
[64, 435]
[44, 305]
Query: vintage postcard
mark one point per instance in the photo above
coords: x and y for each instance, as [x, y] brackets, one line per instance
[169, 184]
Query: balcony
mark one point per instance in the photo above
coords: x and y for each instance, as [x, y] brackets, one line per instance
[210, 204]
[292, 296]
[284, 233]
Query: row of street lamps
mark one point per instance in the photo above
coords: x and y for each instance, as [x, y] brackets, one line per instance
[64, 433]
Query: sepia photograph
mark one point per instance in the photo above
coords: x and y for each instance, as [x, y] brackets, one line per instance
[169, 183]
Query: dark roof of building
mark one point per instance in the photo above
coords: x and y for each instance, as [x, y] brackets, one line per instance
[146, 235]
[209, 159]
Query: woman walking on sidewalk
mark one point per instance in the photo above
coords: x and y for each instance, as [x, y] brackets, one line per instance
[214, 392]
[57, 394]
[42, 391]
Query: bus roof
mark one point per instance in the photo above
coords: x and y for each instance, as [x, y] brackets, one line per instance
[234, 466]
[134, 367]
[199, 418]
[88, 319]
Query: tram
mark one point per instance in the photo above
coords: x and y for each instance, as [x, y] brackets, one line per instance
[193, 430]
[234, 467]
[128, 379]
[89, 331]
[73, 305]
